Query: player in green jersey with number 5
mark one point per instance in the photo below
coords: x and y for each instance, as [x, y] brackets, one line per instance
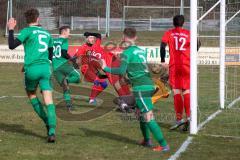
[133, 63]
[38, 47]
[63, 71]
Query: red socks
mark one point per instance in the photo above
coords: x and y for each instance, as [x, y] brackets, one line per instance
[187, 104]
[96, 90]
[178, 105]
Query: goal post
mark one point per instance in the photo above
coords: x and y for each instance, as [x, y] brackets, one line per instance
[193, 71]
[222, 53]
[215, 85]
[193, 67]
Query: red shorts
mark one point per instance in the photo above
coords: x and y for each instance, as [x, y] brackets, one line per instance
[179, 76]
[89, 73]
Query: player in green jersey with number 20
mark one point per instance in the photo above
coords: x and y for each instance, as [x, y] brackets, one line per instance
[38, 47]
[63, 71]
[134, 64]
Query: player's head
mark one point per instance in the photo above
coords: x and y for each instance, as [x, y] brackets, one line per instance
[129, 35]
[64, 31]
[178, 20]
[32, 16]
[91, 39]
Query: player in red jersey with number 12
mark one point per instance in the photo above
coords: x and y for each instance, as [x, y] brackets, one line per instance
[178, 40]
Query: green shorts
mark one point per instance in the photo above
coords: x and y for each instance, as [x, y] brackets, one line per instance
[38, 74]
[144, 99]
[66, 71]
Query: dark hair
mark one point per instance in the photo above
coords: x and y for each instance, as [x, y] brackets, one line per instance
[178, 20]
[31, 15]
[63, 28]
[130, 32]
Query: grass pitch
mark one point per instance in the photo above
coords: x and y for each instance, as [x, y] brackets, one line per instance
[110, 137]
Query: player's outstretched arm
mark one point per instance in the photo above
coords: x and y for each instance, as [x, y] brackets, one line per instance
[12, 43]
[198, 44]
[163, 51]
[65, 54]
[163, 54]
[117, 70]
[50, 53]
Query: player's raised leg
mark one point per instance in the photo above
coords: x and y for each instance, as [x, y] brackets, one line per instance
[98, 86]
[64, 72]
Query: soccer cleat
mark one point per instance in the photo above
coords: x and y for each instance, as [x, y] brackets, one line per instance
[177, 124]
[146, 143]
[123, 107]
[186, 126]
[69, 106]
[93, 101]
[51, 138]
[161, 149]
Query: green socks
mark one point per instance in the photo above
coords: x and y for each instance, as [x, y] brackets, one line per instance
[51, 119]
[157, 133]
[67, 96]
[38, 108]
[145, 130]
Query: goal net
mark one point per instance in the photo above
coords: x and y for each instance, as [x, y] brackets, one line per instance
[211, 119]
[55, 13]
[154, 18]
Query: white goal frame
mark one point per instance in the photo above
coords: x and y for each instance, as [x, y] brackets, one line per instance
[194, 21]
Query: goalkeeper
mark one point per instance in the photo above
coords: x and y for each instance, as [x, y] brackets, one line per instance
[63, 71]
[133, 62]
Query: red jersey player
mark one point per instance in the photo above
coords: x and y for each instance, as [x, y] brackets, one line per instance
[92, 51]
[178, 40]
[89, 53]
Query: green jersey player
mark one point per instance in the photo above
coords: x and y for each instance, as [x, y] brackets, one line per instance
[133, 63]
[64, 72]
[38, 46]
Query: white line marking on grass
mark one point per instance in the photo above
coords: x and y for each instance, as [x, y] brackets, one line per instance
[182, 149]
[209, 119]
[2, 97]
[222, 136]
[18, 96]
[189, 139]
[233, 102]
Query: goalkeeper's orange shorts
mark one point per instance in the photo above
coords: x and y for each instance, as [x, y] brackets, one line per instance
[162, 91]
[179, 76]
